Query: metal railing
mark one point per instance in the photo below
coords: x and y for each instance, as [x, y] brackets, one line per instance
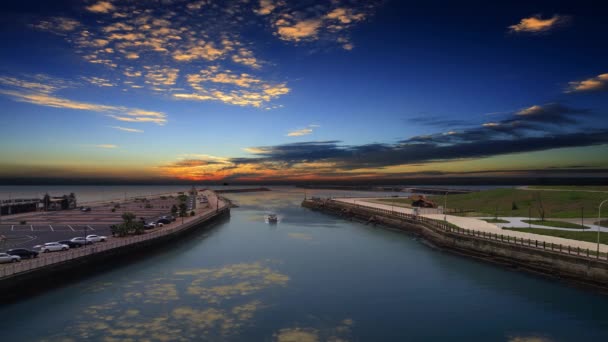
[55, 258]
[444, 227]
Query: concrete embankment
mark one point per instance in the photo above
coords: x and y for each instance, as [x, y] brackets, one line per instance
[20, 279]
[563, 262]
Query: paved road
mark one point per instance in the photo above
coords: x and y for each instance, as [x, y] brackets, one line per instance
[480, 225]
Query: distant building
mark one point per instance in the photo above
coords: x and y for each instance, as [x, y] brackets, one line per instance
[50, 203]
[53, 203]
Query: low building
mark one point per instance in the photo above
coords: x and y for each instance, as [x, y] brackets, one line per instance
[53, 203]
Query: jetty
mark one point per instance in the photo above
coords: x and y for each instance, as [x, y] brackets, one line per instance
[31, 273]
[570, 260]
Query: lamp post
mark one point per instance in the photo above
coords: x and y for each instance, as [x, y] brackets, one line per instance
[445, 206]
[599, 226]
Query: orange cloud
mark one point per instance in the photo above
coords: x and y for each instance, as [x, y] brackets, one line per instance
[599, 82]
[101, 7]
[537, 24]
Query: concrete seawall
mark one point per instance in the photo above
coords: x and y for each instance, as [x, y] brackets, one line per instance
[577, 266]
[89, 260]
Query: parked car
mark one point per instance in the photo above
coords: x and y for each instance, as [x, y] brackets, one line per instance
[85, 209]
[81, 241]
[70, 243]
[96, 238]
[168, 217]
[52, 247]
[162, 221]
[23, 253]
[4, 258]
[150, 225]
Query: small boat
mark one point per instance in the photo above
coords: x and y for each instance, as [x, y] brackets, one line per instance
[272, 218]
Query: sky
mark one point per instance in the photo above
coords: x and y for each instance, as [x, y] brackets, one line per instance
[292, 91]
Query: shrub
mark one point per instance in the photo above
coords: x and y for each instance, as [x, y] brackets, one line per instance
[514, 206]
[113, 209]
[192, 213]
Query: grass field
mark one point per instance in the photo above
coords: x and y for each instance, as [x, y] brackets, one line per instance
[557, 204]
[493, 220]
[571, 187]
[567, 234]
[558, 224]
[399, 202]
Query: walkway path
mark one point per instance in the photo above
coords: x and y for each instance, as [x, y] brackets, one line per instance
[480, 225]
[518, 222]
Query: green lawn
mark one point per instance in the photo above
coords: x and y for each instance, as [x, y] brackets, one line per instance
[558, 224]
[494, 220]
[400, 202]
[558, 204]
[571, 187]
[567, 234]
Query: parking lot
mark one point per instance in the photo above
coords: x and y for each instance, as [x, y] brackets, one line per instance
[41, 227]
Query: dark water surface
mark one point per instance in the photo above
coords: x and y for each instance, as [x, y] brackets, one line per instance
[311, 277]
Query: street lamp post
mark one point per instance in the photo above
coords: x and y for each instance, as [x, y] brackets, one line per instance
[599, 226]
[445, 206]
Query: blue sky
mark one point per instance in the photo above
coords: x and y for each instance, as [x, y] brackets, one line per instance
[301, 90]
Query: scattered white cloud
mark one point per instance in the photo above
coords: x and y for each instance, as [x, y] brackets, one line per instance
[532, 110]
[101, 7]
[267, 6]
[599, 82]
[302, 131]
[537, 24]
[99, 81]
[126, 129]
[161, 76]
[491, 124]
[324, 23]
[57, 25]
[43, 95]
[106, 146]
[242, 89]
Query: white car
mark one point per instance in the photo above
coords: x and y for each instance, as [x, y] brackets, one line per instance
[4, 258]
[52, 247]
[96, 238]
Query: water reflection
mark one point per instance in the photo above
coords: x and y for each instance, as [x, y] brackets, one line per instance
[188, 305]
[312, 277]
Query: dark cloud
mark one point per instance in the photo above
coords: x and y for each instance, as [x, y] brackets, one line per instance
[437, 121]
[536, 128]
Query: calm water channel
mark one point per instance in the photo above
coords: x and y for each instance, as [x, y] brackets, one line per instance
[310, 277]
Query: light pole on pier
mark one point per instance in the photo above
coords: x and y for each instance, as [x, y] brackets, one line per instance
[445, 206]
[599, 226]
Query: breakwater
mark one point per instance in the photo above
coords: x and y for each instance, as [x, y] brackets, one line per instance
[32, 275]
[572, 265]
